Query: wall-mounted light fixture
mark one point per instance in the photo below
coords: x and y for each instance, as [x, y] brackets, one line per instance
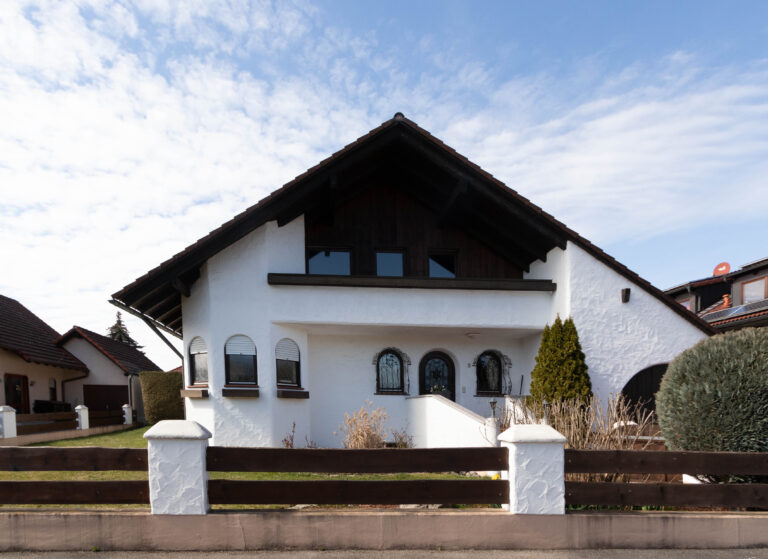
[625, 295]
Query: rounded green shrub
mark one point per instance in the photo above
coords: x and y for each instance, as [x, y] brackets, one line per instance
[161, 393]
[561, 371]
[714, 396]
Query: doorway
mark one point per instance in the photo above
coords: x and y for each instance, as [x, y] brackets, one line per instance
[437, 375]
[17, 392]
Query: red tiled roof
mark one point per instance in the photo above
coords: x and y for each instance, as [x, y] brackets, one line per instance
[128, 358]
[25, 334]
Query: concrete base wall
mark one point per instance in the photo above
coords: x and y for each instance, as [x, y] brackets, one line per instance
[61, 435]
[68, 531]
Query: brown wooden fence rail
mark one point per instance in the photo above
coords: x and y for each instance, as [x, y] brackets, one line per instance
[19, 459]
[666, 494]
[29, 423]
[358, 461]
[97, 418]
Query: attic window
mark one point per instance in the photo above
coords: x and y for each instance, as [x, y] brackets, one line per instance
[329, 262]
[755, 290]
[389, 263]
[442, 265]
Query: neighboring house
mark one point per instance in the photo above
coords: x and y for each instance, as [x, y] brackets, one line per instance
[33, 367]
[730, 301]
[45, 371]
[393, 270]
[114, 366]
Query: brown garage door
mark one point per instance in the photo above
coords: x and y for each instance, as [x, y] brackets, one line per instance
[105, 396]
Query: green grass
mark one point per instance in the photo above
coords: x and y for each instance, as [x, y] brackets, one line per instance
[130, 438]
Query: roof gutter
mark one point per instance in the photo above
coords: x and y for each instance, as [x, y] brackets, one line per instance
[151, 323]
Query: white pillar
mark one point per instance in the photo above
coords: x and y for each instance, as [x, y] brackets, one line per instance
[7, 422]
[178, 479]
[127, 414]
[82, 417]
[536, 469]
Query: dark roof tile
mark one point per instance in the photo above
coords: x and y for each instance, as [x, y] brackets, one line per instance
[129, 359]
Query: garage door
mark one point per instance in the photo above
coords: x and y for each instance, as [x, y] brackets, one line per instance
[105, 396]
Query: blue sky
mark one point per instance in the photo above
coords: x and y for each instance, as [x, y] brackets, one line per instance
[131, 129]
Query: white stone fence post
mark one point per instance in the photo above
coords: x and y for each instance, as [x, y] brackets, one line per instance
[127, 414]
[178, 477]
[536, 469]
[7, 422]
[82, 417]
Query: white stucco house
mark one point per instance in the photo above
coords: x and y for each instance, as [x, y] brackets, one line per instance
[390, 272]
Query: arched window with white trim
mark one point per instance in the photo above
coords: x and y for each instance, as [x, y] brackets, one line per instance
[288, 363]
[390, 372]
[198, 361]
[240, 361]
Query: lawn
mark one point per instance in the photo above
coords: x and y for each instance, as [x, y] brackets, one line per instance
[133, 438]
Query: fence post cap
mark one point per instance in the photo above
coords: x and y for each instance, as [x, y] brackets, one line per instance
[7, 409]
[81, 407]
[177, 429]
[531, 434]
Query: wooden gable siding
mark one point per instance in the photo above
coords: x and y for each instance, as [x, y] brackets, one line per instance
[384, 217]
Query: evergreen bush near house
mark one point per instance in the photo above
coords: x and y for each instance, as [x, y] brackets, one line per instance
[561, 370]
[714, 396]
[161, 393]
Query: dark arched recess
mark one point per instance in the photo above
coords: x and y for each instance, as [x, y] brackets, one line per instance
[644, 385]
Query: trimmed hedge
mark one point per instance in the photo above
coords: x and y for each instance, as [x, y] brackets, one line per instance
[561, 371]
[714, 396]
[161, 393]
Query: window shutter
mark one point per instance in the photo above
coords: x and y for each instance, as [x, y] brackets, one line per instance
[287, 350]
[240, 345]
[197, 346]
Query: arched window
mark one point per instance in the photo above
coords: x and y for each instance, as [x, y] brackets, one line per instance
[437, 375]
[198, 361]
[287, 363]
[240, 360]
[489, 370]
[390, 372]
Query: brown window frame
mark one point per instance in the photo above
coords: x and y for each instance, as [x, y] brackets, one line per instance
[321, 248]
[444, 252]
[384, 391]
[764, 279]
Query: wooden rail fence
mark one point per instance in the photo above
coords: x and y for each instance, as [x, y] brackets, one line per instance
[29, 423]
[97, 418]
[327, 492]
[20, 459]
[666, 494]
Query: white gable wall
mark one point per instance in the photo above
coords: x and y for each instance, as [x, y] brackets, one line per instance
[101, 369]
[618, 339]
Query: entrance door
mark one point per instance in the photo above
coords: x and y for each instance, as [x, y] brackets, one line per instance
[17, 392]
[437, 375]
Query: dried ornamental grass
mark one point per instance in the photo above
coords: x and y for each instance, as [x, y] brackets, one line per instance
[364, 428]
[589, 425]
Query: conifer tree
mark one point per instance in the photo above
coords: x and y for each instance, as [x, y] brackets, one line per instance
[119, 332]
[561, 370]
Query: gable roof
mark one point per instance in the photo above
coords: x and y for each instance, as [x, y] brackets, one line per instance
[25, 334]
[527, 234]
[127, 358]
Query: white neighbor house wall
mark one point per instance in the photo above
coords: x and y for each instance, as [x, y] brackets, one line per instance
[619, 339]
[101, 370]
[37, 375]
[339, 330]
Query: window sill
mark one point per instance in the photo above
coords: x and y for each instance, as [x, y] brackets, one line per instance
[296, 393]
[240, 392]
[195, 393]
[392, 393]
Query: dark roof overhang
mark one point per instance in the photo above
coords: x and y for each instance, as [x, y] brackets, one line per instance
[432, 172]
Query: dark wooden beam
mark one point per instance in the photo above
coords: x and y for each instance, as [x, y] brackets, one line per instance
[179, 285]
[412, 282]
[168, 314]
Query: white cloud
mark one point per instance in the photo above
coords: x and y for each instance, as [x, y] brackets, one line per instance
[129, 130]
